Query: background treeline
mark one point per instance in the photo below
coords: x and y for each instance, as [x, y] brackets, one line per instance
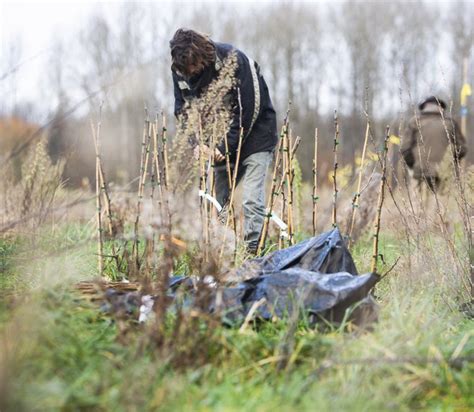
[355, 56]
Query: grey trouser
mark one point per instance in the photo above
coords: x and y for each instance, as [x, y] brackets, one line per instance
[253, 170]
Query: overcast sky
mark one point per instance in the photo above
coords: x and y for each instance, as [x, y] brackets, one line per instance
[32, 27]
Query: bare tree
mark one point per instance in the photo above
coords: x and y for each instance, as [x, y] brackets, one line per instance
[413, 45]
[9, 66]
[362, 30]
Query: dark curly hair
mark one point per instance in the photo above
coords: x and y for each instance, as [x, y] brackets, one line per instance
[191, 52]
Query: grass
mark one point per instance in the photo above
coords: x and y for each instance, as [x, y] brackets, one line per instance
[61, 353]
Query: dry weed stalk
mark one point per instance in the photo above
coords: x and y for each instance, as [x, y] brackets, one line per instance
[356, 198]
[421, 219]
[408, 227]
[375, 253]
[32, 198]
[461, 199]
[167, 176]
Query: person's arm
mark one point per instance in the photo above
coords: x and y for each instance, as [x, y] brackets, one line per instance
[244, 84]
[408, 143]
[178, 96]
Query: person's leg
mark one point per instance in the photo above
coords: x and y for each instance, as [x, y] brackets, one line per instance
[221, 184]
[256, 167]
[223, 190]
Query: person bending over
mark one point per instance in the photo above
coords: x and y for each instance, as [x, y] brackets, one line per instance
[196, 62]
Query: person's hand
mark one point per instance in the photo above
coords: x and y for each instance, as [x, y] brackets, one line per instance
[218, 156]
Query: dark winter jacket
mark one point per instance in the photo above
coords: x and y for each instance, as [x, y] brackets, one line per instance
[425, 141]
[258, 115]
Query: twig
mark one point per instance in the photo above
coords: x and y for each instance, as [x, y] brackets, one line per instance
[391, 268]
[380, 203]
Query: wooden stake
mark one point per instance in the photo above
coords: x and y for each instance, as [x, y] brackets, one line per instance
[275, 190]
[203, 187]
[289, 185]
[156, 163]
[230, 210]
[100, 240]
[236, 169]
[143, 158]
[271, 200]
[293, 152]
[375, 253]
[102, 181]
[147, 159]
[315, 181]
[105, 193]
[212, 170]
[164, 148]
[282, 185]
[334, 175]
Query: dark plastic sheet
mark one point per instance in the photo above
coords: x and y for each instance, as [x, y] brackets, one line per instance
[325, 253]
[317, 278]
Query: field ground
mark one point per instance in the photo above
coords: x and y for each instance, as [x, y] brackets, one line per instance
[59, 352]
